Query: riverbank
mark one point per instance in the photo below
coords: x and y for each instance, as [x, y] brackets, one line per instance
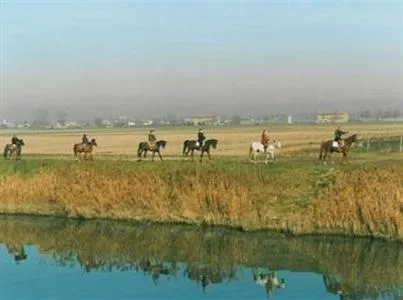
[294, 196]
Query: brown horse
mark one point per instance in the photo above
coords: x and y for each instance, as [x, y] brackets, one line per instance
[10, 149]
[327, 148]
[145, 146]
[84, 148]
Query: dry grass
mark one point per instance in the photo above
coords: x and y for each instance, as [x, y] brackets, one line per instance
[368, 202]
[354, 200]
[184, 195]
[233, 141]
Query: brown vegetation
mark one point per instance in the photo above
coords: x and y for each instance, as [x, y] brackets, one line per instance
[368, 201]
[365, 201]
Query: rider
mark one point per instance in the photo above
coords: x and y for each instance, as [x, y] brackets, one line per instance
[14, 141]
[151, 138]
[200, 138]
[338, 133]
[85, 139]
[265, 139]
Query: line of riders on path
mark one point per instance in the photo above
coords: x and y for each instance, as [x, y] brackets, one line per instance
[152, 139]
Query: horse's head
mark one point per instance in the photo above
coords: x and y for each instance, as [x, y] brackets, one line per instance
[213, 143]
[161, 143]
[277, 143]
[351, 139]
[21, 142]
[93, 142]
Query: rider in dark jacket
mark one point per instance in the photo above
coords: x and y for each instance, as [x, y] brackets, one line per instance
[152, 139]
[85, 139]
[200, 137]
[15, 140]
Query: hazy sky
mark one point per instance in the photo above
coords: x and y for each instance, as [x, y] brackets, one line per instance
[149, 58]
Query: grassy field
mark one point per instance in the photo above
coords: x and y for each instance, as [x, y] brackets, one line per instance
[233, 141]
[296, 194]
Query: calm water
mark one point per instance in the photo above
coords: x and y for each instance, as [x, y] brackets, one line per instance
[44, 258]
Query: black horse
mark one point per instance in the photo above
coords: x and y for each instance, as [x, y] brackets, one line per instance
[191, 146]
[145, 146]
[9, 149]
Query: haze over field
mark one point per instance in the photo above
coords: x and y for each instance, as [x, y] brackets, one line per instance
[102, 58]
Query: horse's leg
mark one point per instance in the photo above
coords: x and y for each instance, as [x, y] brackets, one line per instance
[208, 154]
[153, 155]
[201, 155]
[192, 153]
[253, 157]
[266, 158]
[344, 152]
[159, 154]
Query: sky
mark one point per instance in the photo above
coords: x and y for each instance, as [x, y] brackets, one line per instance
[150, 58]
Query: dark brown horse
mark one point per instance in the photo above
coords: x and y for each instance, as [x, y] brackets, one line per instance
[10, 149]
[144, 147]
[327, 148]
[191, 146]
[82, 148]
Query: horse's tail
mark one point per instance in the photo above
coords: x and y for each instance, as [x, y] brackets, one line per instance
[75, 150]
[185, 145]
[5, 151]
[139, 150]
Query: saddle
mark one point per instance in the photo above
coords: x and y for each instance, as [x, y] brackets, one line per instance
[336, 146]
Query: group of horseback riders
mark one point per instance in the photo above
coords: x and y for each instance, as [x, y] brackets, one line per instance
[152, 139]
[199, 141]
[338, 138]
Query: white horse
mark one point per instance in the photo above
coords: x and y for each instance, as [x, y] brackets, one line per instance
[257, 147]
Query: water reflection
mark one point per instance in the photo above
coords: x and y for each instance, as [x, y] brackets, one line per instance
[18, 251]
[351, 269]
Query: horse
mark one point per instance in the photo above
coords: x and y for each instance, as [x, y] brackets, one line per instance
[192, 145]
[257, 147]
[10, 149]
[268, 280]
[145, 146]
[327, 148]
[80, 148]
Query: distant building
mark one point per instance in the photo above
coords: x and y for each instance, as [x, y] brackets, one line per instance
[247, 121]
[332, 118]
[206, 120]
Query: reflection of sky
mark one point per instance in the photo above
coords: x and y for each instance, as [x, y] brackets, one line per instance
[39, 277]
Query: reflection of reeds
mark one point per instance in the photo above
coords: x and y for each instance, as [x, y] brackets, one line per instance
[366, 265]
[291, 196]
